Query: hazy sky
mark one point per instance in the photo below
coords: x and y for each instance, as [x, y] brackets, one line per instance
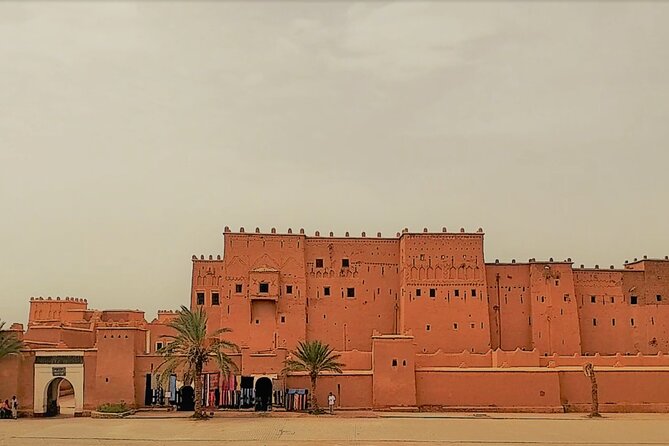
[132, 133]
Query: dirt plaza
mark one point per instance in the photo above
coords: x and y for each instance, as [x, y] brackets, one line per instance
[365, 428]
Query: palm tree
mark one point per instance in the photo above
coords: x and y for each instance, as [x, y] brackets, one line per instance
[192, 348]
[9, 343]
[314, 358]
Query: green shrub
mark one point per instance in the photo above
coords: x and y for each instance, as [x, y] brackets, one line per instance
[113, 407]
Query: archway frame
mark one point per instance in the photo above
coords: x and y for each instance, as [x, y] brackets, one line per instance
[52, 365]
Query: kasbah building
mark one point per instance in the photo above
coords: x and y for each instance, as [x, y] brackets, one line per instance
[420, 320]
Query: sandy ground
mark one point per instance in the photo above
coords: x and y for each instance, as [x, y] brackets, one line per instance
[343, 429]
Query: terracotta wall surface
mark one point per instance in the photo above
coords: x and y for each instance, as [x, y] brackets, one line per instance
[352, 390]
[510, 390]
[619, 390]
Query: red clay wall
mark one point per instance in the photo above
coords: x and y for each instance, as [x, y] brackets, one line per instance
[509, 306]
[624, 390]
[353, 390]
[478, 389]
[451, 268]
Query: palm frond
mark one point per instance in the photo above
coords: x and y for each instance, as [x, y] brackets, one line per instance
[9, 343]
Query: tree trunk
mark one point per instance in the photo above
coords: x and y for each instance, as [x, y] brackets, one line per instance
[197, 389]
[595, 399]
[313, 399]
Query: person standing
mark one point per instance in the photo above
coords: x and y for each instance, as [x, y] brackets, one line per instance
[331, 402]
[15, 407]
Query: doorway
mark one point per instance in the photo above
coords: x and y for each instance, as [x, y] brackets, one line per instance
[263, 394]
[186, 399]
[59, 398]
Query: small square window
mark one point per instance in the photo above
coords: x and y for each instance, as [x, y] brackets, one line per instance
[593, 299]
[455, 326]
[634, 300]
[427, 327]
[215, 299]
[557, 283]
[257, 321]
[200, 298]
[350, 292]
[417, 292]
[159, 345]
[326, 291]
[433, 292]
[283, 319]
[473, 292]
[264, 288]
[394, 363]
[238, 288]
[658, 298]
[289, 289]
[344, 263]
[319, 263]
[456, 293]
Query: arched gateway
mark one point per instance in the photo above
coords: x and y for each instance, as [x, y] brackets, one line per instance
[58, 374]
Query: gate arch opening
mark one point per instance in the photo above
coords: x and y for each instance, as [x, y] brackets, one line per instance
[59, 398]
[263, 390]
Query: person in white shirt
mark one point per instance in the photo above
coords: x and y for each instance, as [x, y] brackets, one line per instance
[331, 402]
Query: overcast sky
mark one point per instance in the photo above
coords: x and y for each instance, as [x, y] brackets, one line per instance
[132, 133]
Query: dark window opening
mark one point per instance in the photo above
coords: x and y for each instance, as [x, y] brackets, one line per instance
[593, 299]
[215, 299]
[238, 288]
[404, 363]
[417, 292]
[319, 263]
[257, 321]
[326, 291]
[200, 298]
[557, 283]
[159, 345]
[594, 322]
[633, 300]
[264, 288]
[433, 292]
[456, 293]
[427, 327]
[613, 300]
[394, 362]
[658, 298]
[473, 292]
[350, 292]
[455, 326]
[632, 322]
[283, 319]
[344, 263]
[289, 289]
[613, 322]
